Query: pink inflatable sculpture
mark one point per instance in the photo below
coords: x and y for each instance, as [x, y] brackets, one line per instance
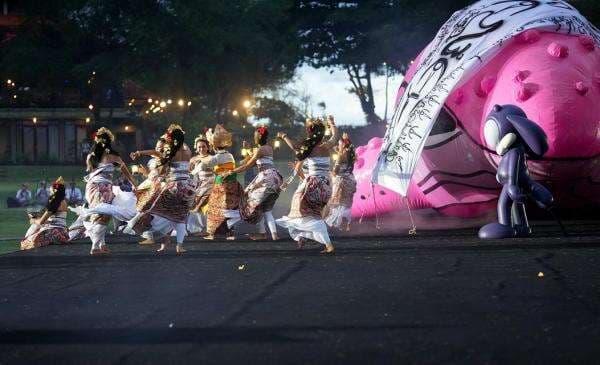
[555, 79]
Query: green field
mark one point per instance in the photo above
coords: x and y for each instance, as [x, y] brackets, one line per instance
[13, 221]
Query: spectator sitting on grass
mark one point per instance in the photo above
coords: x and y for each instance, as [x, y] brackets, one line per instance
[22, 198]
[73, 195]
[42, 194]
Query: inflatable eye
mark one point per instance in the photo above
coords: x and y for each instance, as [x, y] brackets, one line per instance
[363, 197]
[381, 192]
[491, 132]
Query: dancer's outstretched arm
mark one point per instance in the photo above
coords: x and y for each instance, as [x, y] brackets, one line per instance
[137, 154]
[125, 171]
[289, 141]
[334, 133]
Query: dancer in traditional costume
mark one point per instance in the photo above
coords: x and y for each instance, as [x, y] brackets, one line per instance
[51, 227]
[170, 209]
[201, 167]
[224, 200]
[147, 192]
[339, 207]
[101, 163]
[260, 195]
[305, 219]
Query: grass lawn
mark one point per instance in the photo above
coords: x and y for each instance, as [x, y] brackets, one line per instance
[14, 223]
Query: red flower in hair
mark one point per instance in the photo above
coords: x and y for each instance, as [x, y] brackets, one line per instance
[93, 136]
[261, 130]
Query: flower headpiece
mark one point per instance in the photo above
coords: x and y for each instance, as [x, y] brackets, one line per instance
[220, 137]
[201, 137]
[58, 182]
[103, 135]
[262, 130]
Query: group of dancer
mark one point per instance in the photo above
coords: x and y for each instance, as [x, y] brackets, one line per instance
[183, 194]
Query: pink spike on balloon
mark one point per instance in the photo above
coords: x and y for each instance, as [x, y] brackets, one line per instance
[360, 162]
[587, 42]
[459, 98]
[375, 143]
[558, 50]
[487, 84]
[360, 150]
[581, 88]
[520, 76]
[524, 92]
[529, 36]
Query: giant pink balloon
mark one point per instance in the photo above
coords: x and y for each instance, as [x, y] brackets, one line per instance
[555, 79]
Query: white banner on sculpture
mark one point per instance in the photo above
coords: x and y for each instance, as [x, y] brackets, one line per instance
[463, 45]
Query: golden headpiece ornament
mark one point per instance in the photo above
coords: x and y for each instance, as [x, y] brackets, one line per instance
[173, 127]
[201, 137]
[103, 133]
[220, 137]
[313, 121]
[57, 182]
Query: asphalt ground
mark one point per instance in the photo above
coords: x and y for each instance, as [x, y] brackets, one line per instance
[437, 297]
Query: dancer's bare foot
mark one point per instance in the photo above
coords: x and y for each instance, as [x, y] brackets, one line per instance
[230, 238]
[96, 252]
[179, 248]
[147, 241]
[209, 237]
[301, 242]
[274, 237]
[348, 227]
[257, 236]
[329, 249]
[162, 249]
[104, 249]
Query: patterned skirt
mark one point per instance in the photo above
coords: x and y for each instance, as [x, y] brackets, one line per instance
[310, 197]
[344, 187]
[146, 195]
[45, 236]
[205, 187]
[96, 193]
[175, 200]
[224, 196]
[260, 195]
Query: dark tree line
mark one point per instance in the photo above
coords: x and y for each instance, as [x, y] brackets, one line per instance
[218, 52]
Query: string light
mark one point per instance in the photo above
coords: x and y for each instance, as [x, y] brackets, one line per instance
[87, 119]
[15, 96]
[169, 101]
[126, 127]
[163, 104]
[235, 113]
[247, 104]
[277, 144]
[180, 102]
[9, 81]
[189, 103]
[150, 100]
[90, 107]
[34, 120]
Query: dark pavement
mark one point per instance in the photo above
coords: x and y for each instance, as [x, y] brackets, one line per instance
[438, 297]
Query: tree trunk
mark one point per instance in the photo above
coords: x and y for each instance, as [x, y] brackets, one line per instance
[361, 81]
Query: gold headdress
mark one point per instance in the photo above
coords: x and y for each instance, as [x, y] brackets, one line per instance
[57, 182]
[173, 127]
[219, 138]
[201, 137]
[103, 132]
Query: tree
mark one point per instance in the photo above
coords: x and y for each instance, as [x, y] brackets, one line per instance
[212, 52]
[368, 37]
